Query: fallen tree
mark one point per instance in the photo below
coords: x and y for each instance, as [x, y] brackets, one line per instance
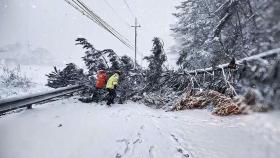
[258, 73]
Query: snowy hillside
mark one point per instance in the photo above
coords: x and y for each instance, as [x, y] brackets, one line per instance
[26, 55]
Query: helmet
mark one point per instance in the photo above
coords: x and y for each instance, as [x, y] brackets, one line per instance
[118, 72]
[101, 71]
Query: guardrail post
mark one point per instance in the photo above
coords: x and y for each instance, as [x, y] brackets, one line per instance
[29, 106]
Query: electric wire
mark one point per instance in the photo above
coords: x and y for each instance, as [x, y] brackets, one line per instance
[86, 13]
[82, 8]
[129, 8]
[116, 13]
[106, 25]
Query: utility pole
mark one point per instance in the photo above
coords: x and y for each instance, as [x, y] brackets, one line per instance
[135, 44]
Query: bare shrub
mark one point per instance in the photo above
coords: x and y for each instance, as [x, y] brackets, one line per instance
[12, 79]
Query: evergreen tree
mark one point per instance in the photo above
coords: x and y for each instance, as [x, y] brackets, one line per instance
[191, 31]
[70, 75]
[156, 61]
[114, 61]
[109, 61]
[209, 33]
[94, 59]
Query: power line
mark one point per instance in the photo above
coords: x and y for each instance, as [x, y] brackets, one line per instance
[106, 25]
[116, 13]
[82, 8]
[129, 8]
[87, 13]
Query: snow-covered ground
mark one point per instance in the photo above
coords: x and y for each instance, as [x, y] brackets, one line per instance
[70, 129]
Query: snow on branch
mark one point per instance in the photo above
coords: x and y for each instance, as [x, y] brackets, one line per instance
[221, 24]
[228, 9]
[221, 7]
[226, 66]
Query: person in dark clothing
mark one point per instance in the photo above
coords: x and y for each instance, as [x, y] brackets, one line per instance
[111, 96]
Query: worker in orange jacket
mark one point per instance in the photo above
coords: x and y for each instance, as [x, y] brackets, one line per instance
[101, 80]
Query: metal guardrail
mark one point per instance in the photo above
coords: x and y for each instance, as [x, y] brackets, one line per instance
[27, 101]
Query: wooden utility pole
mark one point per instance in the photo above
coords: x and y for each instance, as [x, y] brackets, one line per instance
[135, 44]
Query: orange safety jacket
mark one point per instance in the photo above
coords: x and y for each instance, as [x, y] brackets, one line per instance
[101, 79]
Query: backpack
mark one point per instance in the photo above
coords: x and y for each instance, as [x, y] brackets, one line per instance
[101, 79]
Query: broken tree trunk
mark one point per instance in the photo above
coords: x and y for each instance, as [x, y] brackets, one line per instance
[264, 55]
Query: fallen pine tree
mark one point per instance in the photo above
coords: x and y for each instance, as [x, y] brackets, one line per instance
[251, 85]
[158, 87]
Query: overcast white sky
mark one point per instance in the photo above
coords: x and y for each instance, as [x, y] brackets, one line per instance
[54, 25]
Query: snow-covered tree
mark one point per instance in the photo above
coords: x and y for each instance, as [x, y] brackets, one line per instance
[70, 75]
[263, 77]
[213, 32]
[108, 60]
[191, 31]
[94, 59]
[155, 61]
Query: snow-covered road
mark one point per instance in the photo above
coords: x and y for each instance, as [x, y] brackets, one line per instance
[70, 129]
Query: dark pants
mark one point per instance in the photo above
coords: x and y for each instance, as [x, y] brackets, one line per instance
[98, 94]
[111, 96]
